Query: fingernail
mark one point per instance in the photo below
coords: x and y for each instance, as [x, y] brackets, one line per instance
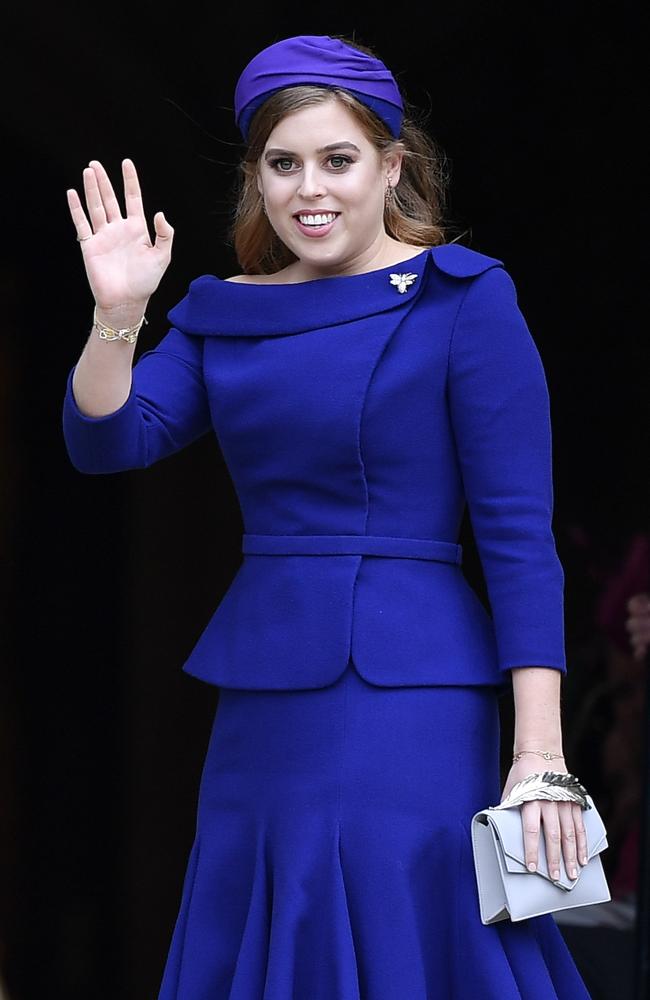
[532, 867]
[573, 872]
[556, 874]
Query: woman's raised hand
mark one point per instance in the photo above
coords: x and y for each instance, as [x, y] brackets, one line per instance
[122, 265]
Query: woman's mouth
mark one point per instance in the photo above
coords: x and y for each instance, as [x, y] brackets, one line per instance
[315, 224]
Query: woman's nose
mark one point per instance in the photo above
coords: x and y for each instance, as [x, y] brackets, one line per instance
[311, 183]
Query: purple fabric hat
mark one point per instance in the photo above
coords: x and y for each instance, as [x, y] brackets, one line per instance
[318, 59]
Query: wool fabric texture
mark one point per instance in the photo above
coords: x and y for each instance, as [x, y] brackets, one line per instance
[359, 674]
[407, 406]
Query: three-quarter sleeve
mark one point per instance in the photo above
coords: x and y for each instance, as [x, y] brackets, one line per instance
[500, 412]
[166, 410]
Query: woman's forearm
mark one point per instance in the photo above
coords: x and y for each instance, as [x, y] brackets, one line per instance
[538, 724]
[102, 378]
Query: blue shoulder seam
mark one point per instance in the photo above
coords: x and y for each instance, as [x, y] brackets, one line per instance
[461, 262]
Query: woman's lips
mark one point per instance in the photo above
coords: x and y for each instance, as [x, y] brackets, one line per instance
[316, 231]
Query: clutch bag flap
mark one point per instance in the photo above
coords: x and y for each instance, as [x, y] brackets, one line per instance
[507, 888]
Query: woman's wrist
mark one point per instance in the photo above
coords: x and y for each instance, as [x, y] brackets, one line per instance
[126, 314]
[547, 755]
[553, 744]
[537, 710]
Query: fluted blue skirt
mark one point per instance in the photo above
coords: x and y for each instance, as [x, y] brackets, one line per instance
[333, 860]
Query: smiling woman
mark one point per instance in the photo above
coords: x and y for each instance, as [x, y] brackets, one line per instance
[324, 200]
[402, 181]
[317, 220]
[366, 380]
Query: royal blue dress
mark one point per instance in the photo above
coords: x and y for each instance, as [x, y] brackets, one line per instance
[357, 727]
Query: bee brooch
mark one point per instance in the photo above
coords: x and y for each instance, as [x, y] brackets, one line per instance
[403, 281]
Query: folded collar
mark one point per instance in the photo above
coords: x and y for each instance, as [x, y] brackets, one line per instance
[216, 307]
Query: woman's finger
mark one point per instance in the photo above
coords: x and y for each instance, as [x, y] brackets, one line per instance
[93, 199]
[530, 820]
[132, 193]
[568, 834]
[164, 233]
[81, 223]
[552, 837]
[581, 833]
[111, 204]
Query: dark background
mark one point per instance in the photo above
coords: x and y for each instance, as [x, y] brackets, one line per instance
[108, 580]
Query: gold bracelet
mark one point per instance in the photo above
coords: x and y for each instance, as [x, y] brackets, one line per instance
[128, 333]
[542, 753]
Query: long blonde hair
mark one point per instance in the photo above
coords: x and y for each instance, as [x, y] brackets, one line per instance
[413, 215]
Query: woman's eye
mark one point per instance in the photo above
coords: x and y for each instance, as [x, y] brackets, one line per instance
[285, 165]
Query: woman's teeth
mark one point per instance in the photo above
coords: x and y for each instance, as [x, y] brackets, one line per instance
[317, 220]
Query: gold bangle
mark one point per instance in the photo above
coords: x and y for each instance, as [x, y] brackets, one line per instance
[541, 753]
[128, 333]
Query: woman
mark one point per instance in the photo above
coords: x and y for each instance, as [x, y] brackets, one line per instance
[364, 379]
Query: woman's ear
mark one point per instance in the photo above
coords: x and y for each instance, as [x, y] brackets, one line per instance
[258, 181]
[393, 164]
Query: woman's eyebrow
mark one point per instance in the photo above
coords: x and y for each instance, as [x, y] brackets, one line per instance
[338, 145]
[325, 149]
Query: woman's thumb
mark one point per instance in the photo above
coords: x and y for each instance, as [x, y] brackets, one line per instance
[164, 232]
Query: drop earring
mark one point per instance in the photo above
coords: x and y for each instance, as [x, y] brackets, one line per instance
[388, 194]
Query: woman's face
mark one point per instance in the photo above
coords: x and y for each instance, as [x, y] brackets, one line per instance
[323, 185]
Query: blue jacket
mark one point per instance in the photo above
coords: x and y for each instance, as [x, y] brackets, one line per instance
[357, 416]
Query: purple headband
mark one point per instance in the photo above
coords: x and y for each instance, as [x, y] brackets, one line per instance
[318, 59]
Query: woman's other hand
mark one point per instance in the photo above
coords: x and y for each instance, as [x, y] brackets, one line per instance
[122, 265]
[560, 823]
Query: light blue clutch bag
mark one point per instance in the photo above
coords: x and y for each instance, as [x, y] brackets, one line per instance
[506, 889]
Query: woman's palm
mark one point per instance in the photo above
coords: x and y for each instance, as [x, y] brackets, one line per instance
[122, 265]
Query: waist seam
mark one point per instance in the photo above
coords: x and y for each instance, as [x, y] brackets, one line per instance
[391, 546]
